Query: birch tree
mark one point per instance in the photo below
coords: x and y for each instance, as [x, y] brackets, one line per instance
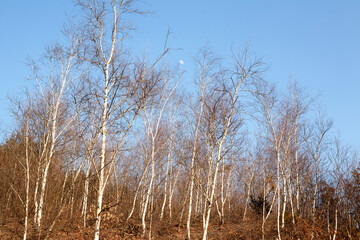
[340, 159]
[53, 72]
[22, 118]
[205, 64]
[223, 108]
[172, 170]
[269, 116]
[153, 116]
[120, 85]
[316, 144]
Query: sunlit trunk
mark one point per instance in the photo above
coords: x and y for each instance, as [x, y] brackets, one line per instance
[27, 180]
[86, 193]
[101, 172]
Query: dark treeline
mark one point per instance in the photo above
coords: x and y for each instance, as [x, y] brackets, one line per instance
[109, 143]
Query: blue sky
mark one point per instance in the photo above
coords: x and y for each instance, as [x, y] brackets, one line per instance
[315, 42]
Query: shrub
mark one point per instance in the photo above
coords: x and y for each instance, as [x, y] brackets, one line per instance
[257, 203]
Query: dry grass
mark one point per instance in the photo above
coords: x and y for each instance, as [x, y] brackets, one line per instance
[116, 228]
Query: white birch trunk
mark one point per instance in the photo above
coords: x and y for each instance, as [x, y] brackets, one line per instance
[149, 189]
[143, 178]
[297, 173]
[166, 190]
[192, 164]
[197, 202]
[222, 192]
[284, 205]
[27, 169]
[172, 189]
[336, 221]
[101, 186]
[48, 160]
[279, 195]
[36, 191]
[213, 187]
[86, 193]
[248, 193]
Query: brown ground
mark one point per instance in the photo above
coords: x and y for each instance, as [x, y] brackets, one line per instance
[249, 229]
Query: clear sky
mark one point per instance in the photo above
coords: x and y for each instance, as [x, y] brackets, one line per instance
[315, 42]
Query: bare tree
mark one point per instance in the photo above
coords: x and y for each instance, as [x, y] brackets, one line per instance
[119, 85]
[153, 115]
[339, 157]
[269, 117]
[171, 173]
[26, 167]
[27, 170]
[205, 64]
[315, 138]
[222, 118]
[53, 73]
[248, 172]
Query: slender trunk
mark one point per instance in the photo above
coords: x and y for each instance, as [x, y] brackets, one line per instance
[222, 213]
[183, 206]
[292, 207]
[213, 184]
[166, 179]
[72, 197]
[313, 212]
[170, 208]
[208, 187]
[210, 201]
[297, 171]
[54, 116]
[42, 198]
[350, 225]
[62, 204]
[284, 205]
[143, 178]
[328, 219]
[36, 192]
[218, 210]
[192, 163]
[228, 184]
[86, 194]
[191, 193]
[27, 180]
[151, 215]
[297, 183]
[172, 189]
[164, 202]
[192, 173]
[101, 172]
[197, 200]
[143, 194]
[222, 192]
[149, 192]
[247, 195]
[263, 209]
[336, 221]
[118, 190]
[279, 195]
